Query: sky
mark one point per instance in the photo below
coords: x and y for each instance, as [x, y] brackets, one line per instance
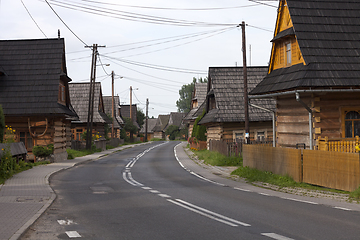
[154, 46]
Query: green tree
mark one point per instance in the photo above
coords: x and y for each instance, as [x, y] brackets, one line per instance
[199, 131]
[173, 131]
[130, 127]
[184, 102]
[140, 117]
[2, 124]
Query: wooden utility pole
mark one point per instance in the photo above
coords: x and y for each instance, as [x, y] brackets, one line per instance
[91, 96]
[146, 119]
[112, 104]
[131, 103]
[246, 104]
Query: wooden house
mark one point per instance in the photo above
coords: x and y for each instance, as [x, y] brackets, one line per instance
[160, 126]
[125, 113]
[34, 93]
[150, 128]
[118, 121]
[314, 71]
[196, 108]
[225, 116]
[79, 95]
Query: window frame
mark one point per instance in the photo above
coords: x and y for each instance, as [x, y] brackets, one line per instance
[344, 111]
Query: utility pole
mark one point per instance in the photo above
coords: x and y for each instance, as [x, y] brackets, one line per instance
[146, 119]
[112, 104]
[246, 104]
[91, 96]
[131, 103]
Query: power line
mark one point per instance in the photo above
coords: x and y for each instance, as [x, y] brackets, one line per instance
[66, 24]
[258, 2]
[168, 8]
[33, 18]
[133, 16]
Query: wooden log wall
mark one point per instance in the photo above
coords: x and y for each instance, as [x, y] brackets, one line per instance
[292, 121]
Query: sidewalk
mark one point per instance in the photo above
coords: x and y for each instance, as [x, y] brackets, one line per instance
[25, 196]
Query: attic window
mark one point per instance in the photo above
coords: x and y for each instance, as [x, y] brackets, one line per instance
[62, 95]
[288, 52]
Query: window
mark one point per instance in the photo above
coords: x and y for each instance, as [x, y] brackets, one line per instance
[62, 96]
[260, 136]
[26, 138]
[352, 124]
[288, 53]
[238, 135]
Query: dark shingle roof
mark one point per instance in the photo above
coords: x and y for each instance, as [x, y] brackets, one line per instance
[108, 106]
[176, 118]
[31, 73]
[79, 95]
[161, 123]
[151, 125]
[328, 35]
[125, 113]
[227, 85]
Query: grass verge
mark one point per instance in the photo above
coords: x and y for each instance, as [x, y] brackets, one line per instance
[22, 166]
[253, 175]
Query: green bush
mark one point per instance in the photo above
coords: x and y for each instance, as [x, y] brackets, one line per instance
[199, 131]
[7, 164]
[40, 151]
[218, 159]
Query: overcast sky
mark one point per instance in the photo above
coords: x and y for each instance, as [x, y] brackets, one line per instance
[155, 46]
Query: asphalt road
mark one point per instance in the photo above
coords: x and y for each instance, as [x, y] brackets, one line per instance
[143, 193]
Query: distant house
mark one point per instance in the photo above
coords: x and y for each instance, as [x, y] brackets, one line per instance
[198, 98]
[150, 129]
[34, 93]
[160, 127]
[79, 95]
[224, 113]
[125, 113]
[314, 71]
[118, 121]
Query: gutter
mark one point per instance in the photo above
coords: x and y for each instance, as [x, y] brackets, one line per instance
[297, 95]
[273, 120]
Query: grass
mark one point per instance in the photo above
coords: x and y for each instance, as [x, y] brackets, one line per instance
[79, 153]
[217, 159]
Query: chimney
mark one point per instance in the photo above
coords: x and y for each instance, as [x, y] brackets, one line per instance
[58, 33]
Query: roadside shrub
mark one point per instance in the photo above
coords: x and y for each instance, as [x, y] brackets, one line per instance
[7, 164]
[40, 151]
[199, 131]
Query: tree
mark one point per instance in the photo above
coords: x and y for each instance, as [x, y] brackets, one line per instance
[199, 131]
[184, 102]
[130, 127]
[173, 131]
[140, 117]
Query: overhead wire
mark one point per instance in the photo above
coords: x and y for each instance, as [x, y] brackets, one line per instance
[37, 25]
[124, 15]
[66, 24]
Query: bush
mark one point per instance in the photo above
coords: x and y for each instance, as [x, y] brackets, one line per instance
[7, 164]
[199, 131]
[218, 159]
[40, 151]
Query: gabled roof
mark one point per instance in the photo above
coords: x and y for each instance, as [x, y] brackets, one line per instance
[176, 118]
[31, 73]
[327, 32]
[226, 84]
[200, 90]
[161, 123]
[125, 113]
[108, 111]
[151, 125]
[79, 95]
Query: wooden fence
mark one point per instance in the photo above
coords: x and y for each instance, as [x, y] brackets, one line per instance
[200, 145]
[338, 170]
[337, 144]
[283, 161]
[233, 148]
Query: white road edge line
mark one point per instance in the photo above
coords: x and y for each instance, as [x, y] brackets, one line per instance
[276, 236]
[213, 213]
[345, 209]
[201, 213]
[241, 189]
[298, 200]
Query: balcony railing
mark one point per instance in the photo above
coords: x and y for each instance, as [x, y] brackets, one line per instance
[337, 144]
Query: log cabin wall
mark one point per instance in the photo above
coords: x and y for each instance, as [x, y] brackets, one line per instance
[292, 121]
[60, 140]
[330, 110]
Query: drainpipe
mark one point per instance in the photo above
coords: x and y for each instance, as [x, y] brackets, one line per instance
[273, 120]
[310, 117]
